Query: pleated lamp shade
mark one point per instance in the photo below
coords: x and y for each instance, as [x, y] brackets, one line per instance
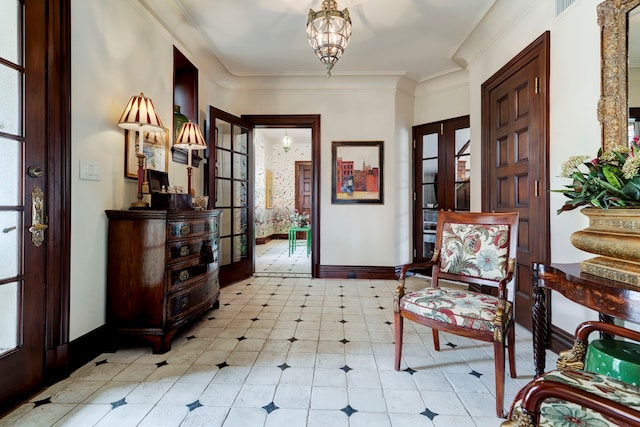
[140, 114]
[191, 137]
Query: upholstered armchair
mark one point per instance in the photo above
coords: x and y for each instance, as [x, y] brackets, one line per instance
[476, 249]
[571, 396]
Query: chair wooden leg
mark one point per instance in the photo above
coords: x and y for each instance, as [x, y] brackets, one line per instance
[511, 348]
[398, 320]
[498, 349]
[436, 339]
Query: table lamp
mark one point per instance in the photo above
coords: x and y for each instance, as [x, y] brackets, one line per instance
[140, 116]
[190, 138]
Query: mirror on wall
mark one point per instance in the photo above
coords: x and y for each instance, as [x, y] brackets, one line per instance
[633, 70]
[614, 18]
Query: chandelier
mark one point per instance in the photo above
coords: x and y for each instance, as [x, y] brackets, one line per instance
[329, 31]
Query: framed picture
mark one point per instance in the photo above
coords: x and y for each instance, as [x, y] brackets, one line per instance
[356, 172]
[155, 148]
[268, 189]
[157, 180]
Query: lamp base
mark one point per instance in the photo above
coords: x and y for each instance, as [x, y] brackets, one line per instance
[139, 204]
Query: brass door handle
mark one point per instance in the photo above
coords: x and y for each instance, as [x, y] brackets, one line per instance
[37, 217]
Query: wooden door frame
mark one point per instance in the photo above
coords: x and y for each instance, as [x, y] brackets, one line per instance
[540, 249]
[311, 121]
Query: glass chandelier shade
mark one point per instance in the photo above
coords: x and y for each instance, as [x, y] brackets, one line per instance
[286, 142]
[329, 31]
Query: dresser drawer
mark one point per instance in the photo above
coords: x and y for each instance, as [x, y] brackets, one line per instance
[181, 229]
[184, 274]
[199, 248]
[181, 304]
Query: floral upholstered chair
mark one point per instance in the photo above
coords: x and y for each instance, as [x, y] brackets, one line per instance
[571, 396]
[476, 249]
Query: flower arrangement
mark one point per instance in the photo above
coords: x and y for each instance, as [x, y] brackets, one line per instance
[299, 219]
[609, 180]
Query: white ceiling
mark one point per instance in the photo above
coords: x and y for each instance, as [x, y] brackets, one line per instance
[415, 38]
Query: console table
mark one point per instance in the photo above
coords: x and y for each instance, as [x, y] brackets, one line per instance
[610, 298]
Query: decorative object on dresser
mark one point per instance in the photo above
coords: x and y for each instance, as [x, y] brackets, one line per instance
[140, 115]
[162, 271]
[190, 138]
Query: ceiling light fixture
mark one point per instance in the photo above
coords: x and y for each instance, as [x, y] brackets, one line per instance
[286, 142]
[329, 31]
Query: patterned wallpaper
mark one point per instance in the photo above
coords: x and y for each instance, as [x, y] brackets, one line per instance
[282, 165]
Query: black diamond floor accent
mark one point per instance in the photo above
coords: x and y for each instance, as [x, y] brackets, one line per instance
[270, 407]
[303, 306]
[226, 304]
[381, 308]
[255, 319]
[211, 318]
[377, 296]
[265, 305]
[238, 293]
[429, 414]
[161, 364]
[41, 402]
[242, 338]
[346, 368]
[118, 403]
[248, 284]
[283, 366]
[388, 323]
[341, 286]
[190, 337]
[293, 339]
[273, 294]
[341, 296]
[307, 295]
[222, 365]
[101, 362]
[344, 341]
[410, 371]
[343, 321]
[452, 345]
[342, 306]
[194, 405]
[476, 373]
[349, 410]
[298, 320]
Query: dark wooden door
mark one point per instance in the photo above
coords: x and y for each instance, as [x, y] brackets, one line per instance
[303, 187]
[230, 189]
[514, 159]
[442, 177]
[33, 300]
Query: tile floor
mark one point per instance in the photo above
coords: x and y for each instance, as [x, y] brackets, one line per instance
[288, 352]
[273, 260]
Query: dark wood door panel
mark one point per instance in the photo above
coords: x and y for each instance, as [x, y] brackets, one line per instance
[515, 147]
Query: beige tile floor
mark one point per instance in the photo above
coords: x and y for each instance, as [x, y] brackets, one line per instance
[287, 351]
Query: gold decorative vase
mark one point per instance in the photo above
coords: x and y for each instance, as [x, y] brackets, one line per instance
[614, 234]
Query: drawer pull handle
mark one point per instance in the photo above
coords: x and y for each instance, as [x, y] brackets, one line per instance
[183, 302]
[185, 229]
[185, 250]
[184, 275]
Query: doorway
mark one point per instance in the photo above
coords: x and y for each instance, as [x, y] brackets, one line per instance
[283, 186]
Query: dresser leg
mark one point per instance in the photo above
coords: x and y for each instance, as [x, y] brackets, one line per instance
[540, 327]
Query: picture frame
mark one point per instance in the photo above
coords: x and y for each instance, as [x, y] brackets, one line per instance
[357, 172]
[156, 152]
[157, 180]
[268, 189]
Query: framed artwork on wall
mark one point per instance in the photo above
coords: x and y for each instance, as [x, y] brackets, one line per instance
[155, 148]
[268, 189]
[357, 172]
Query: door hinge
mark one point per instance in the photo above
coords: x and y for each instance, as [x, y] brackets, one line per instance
[537, 85]
[414, 144]
[441, 128]
[537, 188]
[414, 196]
[415, 253]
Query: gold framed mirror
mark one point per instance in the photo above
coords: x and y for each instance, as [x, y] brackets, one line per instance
[613, 104]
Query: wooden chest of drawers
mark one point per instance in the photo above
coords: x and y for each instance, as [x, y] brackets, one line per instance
[162, 271]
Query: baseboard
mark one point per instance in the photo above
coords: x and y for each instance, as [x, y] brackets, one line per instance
[265, 240]
[355, 272]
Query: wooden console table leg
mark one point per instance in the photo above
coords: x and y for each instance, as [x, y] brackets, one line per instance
[540, 327]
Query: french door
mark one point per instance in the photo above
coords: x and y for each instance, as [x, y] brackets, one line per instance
[34, 211]
[230, 189]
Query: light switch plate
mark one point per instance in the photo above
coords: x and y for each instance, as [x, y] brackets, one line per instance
[89, 171]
